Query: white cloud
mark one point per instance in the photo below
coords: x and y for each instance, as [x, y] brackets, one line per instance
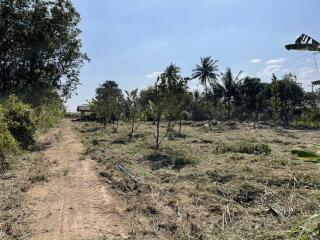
[305, 75]
[276, 61]
[153, 75]
[266, 73]
[256, 60]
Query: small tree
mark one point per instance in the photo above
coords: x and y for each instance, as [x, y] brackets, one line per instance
[108, 103]
[169, 88]
[275, 99]
[132, 109]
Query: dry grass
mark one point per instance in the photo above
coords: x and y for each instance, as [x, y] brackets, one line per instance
[24, 171]
[191, 189]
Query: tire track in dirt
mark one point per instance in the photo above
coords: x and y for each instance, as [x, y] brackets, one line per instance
[73, 204]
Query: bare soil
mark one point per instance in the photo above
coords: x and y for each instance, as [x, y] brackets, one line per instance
[73, 203]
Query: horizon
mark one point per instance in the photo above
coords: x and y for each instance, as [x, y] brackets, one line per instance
[131, 44]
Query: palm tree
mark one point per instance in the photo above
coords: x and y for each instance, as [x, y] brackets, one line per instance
[172, 71]
[206, 72]
[228, 88]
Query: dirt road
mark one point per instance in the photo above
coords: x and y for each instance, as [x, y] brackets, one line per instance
[73, 203]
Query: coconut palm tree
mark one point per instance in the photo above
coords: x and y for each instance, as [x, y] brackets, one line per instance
[206, 72]
[228, 88]
[172, 71]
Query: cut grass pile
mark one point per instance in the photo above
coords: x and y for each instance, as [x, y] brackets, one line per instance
[225, 183]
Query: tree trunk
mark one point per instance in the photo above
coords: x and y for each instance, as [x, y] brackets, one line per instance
[180, 125]
[105, 123]
[229, 108]
[132, 129]
[206, 88]
[115, 128]
[157, 135]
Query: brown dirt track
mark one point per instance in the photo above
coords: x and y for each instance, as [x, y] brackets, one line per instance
[73, 203]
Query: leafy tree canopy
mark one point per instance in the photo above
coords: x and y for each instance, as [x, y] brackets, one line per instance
[40, 49]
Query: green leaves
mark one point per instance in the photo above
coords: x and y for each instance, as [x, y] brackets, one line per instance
[206, 72]
[40, 48]
[20, 121]
[108, 104]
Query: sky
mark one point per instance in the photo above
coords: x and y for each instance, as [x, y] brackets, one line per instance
[130, 41]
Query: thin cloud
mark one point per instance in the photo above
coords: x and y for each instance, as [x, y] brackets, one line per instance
[305, 76]
[286, 70]
[276, 61]
[266, 73]
[256, 60]
[153, 75]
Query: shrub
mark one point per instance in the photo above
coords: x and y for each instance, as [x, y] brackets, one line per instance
[181, 161]
[48, 114]
[249, 148]
[18, 117]
[8, 144]
[176, 160]
[258, 148]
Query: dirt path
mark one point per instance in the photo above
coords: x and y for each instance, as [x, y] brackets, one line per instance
[73, 204]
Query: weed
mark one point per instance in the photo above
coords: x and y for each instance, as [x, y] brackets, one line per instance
[176, 160]
[247, 193]
[249, 148]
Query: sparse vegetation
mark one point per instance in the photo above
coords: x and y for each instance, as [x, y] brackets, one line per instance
[217, 184]
[239, 170]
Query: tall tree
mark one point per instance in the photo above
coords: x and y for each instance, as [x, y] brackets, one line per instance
[40, 49]
[275, 99]
[250, 89]
[206, 72]
[228, 88]
[172, 72]
[108, 103]
[291, 96]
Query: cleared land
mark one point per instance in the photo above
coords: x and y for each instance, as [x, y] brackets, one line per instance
[224, 181]
[230, 181]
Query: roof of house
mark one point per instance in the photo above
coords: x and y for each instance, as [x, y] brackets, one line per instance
[85, 108]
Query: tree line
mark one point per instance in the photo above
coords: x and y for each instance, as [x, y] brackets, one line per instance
[225, 96]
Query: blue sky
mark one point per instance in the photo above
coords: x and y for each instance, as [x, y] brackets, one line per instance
[129, 40]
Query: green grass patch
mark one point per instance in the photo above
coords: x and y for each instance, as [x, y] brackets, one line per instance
[249, 148]
[306, 155]
[172, 159]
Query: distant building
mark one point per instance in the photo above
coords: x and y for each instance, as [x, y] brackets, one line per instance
[85, 110]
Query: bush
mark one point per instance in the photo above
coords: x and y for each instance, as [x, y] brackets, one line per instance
[8, 144]
[249, 148]
[18, 117]
[48, 114]
[258, 148]
[170, 158]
